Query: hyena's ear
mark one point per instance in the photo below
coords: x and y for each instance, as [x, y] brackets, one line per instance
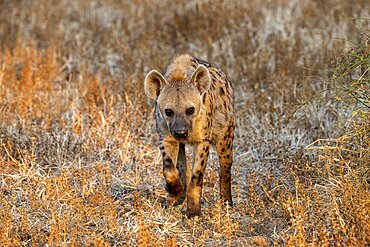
[153, 84]
[201, 79]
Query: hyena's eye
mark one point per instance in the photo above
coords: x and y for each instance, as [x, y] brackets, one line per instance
[169, 112]
[190, 111]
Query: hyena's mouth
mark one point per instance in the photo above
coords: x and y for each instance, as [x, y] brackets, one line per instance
[181, 139]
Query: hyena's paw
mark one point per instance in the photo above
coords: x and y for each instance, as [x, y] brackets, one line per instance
[176, 193]
[226, 200]
[193, 207]
[192, 212]
[176, 200]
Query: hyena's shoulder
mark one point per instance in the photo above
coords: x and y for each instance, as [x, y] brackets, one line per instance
[220, 85]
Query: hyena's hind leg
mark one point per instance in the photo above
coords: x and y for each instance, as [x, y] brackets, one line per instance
[174, 185]
[182, 168]
[224, 149]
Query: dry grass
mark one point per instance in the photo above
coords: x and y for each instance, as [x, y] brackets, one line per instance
[79, 163]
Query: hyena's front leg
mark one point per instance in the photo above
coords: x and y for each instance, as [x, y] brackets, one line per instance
[194, 193]
[182, 168]
[174, 186]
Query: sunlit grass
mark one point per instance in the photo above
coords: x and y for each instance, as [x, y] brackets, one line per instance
[79, 162]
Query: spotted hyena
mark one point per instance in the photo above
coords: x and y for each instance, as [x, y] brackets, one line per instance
[193, 105]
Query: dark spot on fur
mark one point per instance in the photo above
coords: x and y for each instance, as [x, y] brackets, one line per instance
[202, 163]
[206, 149]
[197, 178]
[219, 74]
[228, 156]
[222, 91]
[223, 150]
[167, 163]
[229, 146]
[227, 90]
[213, 75]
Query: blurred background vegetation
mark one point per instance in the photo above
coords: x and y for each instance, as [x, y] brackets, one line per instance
[79, 163]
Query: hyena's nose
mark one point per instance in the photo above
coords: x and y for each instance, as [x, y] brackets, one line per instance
[181, 134]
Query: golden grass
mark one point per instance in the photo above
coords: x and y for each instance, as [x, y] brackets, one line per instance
[79, 162]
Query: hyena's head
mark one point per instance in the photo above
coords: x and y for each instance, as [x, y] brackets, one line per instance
[179, 98]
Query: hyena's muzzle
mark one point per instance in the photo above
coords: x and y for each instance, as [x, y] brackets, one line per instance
[180, 128]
